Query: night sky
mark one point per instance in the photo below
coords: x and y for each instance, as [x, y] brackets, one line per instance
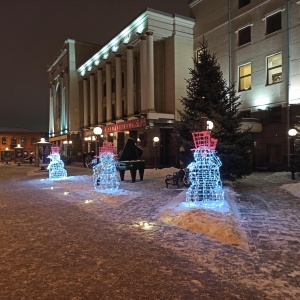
[32, 32]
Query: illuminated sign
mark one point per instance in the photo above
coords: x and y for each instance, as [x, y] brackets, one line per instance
[125, 125]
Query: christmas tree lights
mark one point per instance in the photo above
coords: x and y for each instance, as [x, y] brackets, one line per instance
[56, 165]
[204, 173]
[105, 175]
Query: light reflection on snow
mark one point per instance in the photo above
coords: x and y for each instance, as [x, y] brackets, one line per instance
[145, 225]
[109, 191]
[213, 205]
[88, 201]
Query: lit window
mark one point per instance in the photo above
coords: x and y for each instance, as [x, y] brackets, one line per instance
[273, 23]
[244, 36]
[23, 141]
[245, 77]
[4, 141]
[13, 141]
[274, 69]
[243, 3]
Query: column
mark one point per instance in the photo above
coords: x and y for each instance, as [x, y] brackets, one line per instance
[85, 104]
[130, 100]
[118, 86]
[108, 91]
[100, 95]
[51, 116]
[150, 71]
[143, 63]
[54, 108]
[66, 83]
[92, 100]
[62, 109]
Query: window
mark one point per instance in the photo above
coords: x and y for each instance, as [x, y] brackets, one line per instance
[113, 110]
[243, 3]
[23, 141]
[33, 141]
[123, 80]
[245, 77]
[274, 69]
[13, 141]
[104, 89]
[123, 107]
[273, 23]
[4, 141]
[244, 36]
[104, 113]
[113, 85]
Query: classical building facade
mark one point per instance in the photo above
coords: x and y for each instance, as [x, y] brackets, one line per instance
[64, 105]
[257, 44]
[130, 87]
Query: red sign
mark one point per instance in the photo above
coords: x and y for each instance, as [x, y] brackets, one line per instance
[125, 125]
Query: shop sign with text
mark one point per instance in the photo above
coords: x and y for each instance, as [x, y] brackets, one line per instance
[136, 123]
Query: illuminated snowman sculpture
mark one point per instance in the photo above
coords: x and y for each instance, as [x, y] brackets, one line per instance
[56, 165]
[204, 173]
[105, 175]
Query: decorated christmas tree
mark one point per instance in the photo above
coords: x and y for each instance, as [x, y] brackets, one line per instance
[209, 98]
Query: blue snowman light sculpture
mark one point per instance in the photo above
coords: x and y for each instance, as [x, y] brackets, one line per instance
[56, 165]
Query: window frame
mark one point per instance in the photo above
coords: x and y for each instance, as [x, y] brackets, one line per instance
[13, 141]
[268, 20]
[242, 77]
[239, 33]
[276, 77]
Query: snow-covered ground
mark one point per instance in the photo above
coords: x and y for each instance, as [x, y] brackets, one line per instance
[245, 239]
[218, 220]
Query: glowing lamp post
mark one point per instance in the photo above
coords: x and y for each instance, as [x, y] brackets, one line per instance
[292, 133]
[155, 143]
[97, 131]
[19, 154]
[210, 125]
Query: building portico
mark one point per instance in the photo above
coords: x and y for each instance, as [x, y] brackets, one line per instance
[132, 86]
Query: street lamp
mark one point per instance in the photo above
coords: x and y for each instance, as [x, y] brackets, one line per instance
[97, 131]
[210, 125]
[155, 142]
[292, 133]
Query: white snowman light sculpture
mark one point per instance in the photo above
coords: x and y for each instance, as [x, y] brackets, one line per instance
[204, 173]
